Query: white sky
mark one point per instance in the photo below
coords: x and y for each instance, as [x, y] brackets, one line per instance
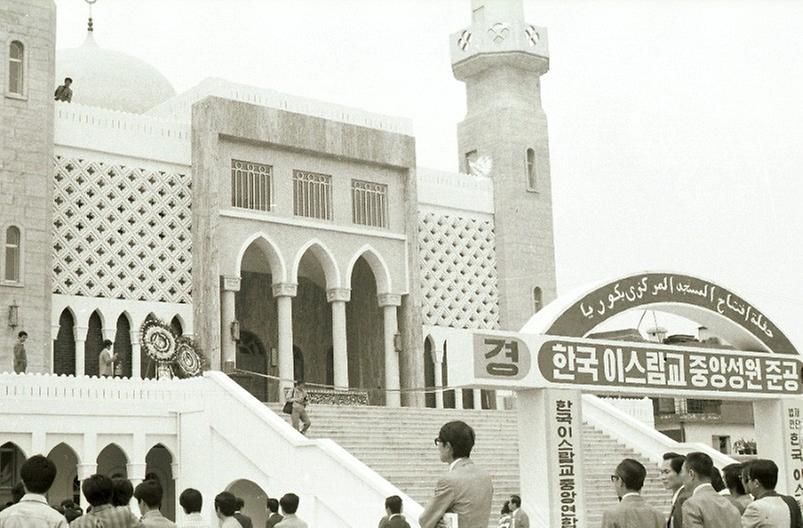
[676, 127]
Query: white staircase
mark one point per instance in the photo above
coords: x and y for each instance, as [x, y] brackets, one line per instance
[399, 445]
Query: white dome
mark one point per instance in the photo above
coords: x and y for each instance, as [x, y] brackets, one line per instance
[110, 79]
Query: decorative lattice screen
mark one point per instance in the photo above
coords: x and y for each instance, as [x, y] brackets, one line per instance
[458, 272]
[121, 232]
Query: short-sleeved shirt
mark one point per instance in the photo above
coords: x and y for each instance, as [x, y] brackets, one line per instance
[155, 519]
[32, 511]
[107, 516]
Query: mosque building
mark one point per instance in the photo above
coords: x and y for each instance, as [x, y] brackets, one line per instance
[292, 239]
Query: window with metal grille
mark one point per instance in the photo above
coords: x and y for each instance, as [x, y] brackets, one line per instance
[369, 205]
[312, 195]
[251, 185]
[12, 273]
[16, 53]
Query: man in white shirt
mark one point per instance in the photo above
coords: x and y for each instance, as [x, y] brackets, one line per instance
[107, 359]
[670, 477]
[191, 502]
[225, 506]
[33, 511]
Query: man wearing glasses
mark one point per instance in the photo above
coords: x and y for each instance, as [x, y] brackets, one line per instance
[466, 490]
[769, 509]
[632, 510]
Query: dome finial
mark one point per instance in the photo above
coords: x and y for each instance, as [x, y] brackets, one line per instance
[89, 27]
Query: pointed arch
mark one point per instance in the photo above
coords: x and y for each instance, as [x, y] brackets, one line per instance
[64, 344]
[271, 252]
[377, 264]
[325, 258]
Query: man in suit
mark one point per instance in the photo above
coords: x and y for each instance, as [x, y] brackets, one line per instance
[705, 508]
[465, 489]
[394, 517]
[632, 510]
[244, 520]
[273, 513]
[769, 509]
[518, 519]
[670, 476]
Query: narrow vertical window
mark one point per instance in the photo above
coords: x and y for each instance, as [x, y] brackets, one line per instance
[537, 299]
[16, 64]
[470, 157]
[531, 173]
[12, 254]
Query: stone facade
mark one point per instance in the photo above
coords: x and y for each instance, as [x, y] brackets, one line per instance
[25, 175]
[501, 59]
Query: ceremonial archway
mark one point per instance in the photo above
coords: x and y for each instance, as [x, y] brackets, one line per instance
[553, 360]
[725, 313]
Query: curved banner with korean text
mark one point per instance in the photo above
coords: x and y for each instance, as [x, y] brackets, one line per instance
[631, 292]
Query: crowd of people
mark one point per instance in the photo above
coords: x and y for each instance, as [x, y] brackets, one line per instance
[742, 496]
[109, 504]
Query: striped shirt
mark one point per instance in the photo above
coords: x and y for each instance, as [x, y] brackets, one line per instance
[107, 516]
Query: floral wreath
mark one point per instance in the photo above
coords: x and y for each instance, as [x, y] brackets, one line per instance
[169, 350]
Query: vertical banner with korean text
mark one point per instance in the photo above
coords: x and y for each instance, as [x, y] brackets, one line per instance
[792, 413]
[551, 456]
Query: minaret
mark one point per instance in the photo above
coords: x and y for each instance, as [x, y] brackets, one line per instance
[501, 58]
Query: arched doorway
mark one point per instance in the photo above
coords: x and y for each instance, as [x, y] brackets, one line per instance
[254, 497]
[65, 486]
[159, 463]
[93, 345]
[255, 309]
[11, 459]
[429, 373]
[64, 346]
[365, 333]
[112, 461]
[450, 395]
[175, 326]
[251, 356]
[122, 347]
[312, 314]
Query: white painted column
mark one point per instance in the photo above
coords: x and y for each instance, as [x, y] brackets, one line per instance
[87, 469]
[778, 438]
[228, 347]
[284, 293]
[437, 361]
[477, 398]
[389, 302]
[80, 351]
[136, 355]
[339, 297]
[458, 398]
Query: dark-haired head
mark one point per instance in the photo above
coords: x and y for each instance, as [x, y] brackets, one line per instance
[38, 474]
[733, 479]
[149, 492]
[632, 473]
[763, 472]
[505, 508]
[273, 505]
[289, 503]
[225, 504]
[191, 500]
[697, 469]
[123, 491]
[460, 436]
[98, 490]
[393, 504]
